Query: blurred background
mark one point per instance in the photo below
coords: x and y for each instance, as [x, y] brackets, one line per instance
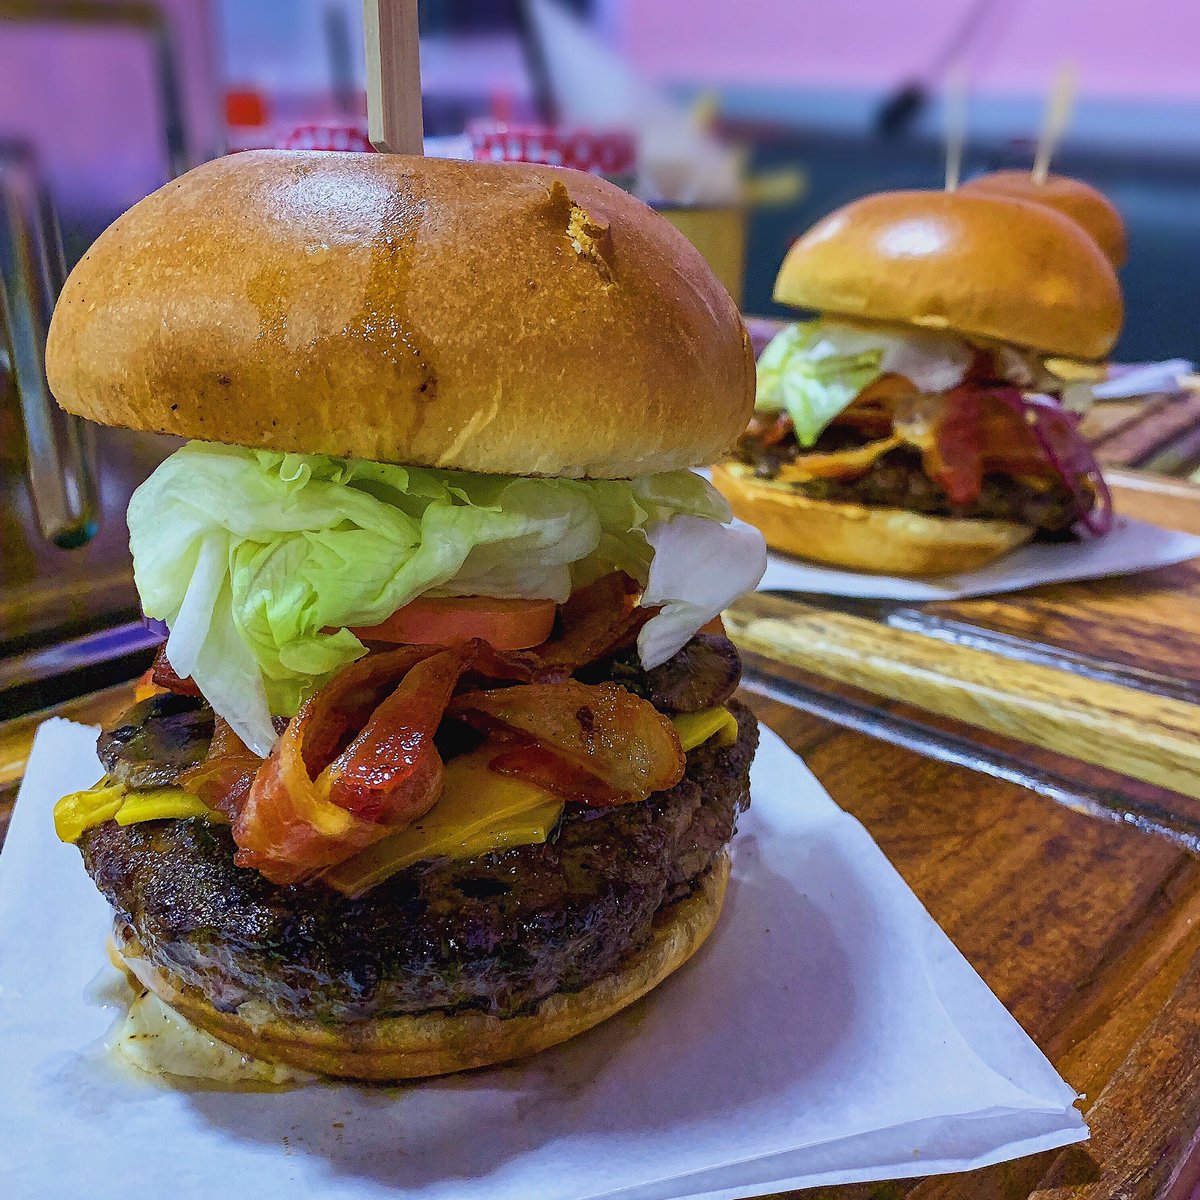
[110, 98]
[744, 122]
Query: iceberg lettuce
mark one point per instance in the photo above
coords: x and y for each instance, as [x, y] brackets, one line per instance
[258, 561]
[813, 370]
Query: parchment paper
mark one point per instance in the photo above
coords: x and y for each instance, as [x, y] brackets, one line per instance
[828, 1032]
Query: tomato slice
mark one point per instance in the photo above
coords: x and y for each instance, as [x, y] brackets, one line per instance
[448, 620]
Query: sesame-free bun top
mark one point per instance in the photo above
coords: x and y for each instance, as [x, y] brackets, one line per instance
[494, 317]
[987, 267]
[1090, 209]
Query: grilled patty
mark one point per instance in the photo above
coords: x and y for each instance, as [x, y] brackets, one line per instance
[898, 479]
[495, 934]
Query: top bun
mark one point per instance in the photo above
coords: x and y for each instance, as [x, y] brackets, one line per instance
[1090, 209]
[987, 267]
[494, 317]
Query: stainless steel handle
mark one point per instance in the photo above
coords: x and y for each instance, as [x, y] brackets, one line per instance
[60, 452]
[61, 459]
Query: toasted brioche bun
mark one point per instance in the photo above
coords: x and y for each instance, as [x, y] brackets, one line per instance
[1089, 208]
[494, 317]
[413, 1047]
[886, 541]
[984, 266]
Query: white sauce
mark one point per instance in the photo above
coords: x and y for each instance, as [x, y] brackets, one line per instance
[157, 1040]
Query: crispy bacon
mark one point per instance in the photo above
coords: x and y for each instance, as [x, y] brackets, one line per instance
[969, 437]
[550, 771]
[980, 431]
[358, 761]
[623, 746]
[288, 828]
[769, 428]
[163, 674]
[872, 411]
[223, 779]
[595, 622]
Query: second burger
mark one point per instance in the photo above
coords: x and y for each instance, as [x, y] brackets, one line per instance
[916, 427]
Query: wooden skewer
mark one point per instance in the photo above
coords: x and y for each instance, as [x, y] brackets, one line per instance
[956, 124]
[1054, 124]
[394, 121]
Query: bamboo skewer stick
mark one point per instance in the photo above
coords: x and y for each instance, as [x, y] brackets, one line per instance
[956, 125]
[390, 33]
[1054, 124]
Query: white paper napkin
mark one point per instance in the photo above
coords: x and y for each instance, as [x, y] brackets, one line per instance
[1144, 379]
[829, 1032]
[1131, 547]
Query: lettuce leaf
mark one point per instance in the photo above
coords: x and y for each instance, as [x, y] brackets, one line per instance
[814, 369]
[793, 376]
[258, 561]
[698, 566]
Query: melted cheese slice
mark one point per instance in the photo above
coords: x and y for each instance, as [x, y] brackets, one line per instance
[838, 464]
[107, 801]
[479, 812]
[694, 729]
[1073, 370]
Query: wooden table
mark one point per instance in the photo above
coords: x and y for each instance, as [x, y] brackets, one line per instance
[1087, 929]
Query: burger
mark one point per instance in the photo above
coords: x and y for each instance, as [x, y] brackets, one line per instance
[1088, 207]
[440, 762]
[917, 425]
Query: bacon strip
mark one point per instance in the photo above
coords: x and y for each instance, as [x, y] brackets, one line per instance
[358, 761]
[618, 747]
[164, 675]
[979, 431]
[872, 411]
[595, 622]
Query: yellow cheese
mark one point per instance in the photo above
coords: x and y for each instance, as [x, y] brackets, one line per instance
[479, 812]
[694, 729]
[108, 801]
[159, 804]
[1072, 370]
[78, 811]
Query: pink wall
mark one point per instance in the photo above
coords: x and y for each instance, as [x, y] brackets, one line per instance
[1143, 48]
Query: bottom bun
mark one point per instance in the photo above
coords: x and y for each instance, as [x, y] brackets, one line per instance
[410, 1047]
[887, 541]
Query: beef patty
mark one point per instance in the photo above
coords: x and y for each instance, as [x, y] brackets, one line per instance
[897, 479]
[496, 933]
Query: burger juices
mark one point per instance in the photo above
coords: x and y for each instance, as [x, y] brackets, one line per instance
[440, 761]
[918, 425]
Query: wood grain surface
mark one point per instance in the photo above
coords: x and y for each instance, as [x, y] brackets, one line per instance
[1149, 737]
[1104, 671]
